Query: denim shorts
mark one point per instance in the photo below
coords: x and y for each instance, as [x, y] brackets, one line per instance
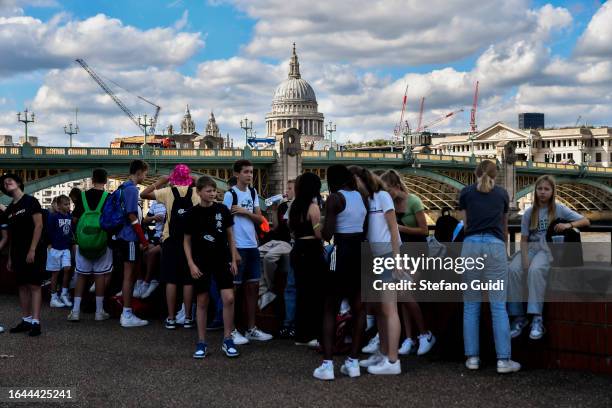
[249, 269]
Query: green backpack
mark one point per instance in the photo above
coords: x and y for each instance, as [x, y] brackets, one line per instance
[91, 238]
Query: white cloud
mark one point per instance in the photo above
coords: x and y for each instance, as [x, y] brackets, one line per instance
[596, 41]
[183, 21]
[98, 39]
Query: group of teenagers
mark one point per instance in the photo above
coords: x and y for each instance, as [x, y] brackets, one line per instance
[205, 242]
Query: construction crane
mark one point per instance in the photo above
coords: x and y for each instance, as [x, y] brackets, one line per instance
[473, 126]
[399, 129]
[441, 119]
[578, 120]
[118, 101]
[418, 129]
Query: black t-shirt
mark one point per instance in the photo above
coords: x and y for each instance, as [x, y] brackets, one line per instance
[93, 197]
[208, 229]
[484, 211]
[20, 223]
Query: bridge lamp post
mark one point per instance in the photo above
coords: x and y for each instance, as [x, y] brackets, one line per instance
[246, 126]
[330, 128]
[529, 147]
[25, 121]
[71, 131]
[471, 139]
[144, 125]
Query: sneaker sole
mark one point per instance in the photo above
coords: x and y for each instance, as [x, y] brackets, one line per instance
[230, 355]
[472, 367]
[385, 373]
[349, 375]
[197, 357]
[536, 338]
[324, 378]
[507, 370]
[133, 325]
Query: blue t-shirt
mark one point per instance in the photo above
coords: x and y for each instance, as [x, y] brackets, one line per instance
[59, 230]
[484, 211]
[130, 197]
[536, 235]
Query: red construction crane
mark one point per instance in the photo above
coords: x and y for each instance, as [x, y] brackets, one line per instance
[441, 119]
[399, 129]
[418, 129]
[473, 111]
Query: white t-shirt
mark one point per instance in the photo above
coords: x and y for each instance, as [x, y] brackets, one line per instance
[157, 208]
[244, 229]
[379, 235]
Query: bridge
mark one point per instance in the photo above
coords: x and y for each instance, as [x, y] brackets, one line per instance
[436, 179]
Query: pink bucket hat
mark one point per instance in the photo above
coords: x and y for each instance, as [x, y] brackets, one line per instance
[181, 176]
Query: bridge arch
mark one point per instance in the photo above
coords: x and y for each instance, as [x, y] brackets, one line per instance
[118, 172]
[434, 189]
[579, 194]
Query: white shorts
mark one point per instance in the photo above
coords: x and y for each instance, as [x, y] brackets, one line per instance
[100, 266]
[58, 259]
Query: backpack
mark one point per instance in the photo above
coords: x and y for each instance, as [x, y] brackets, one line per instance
[565, 255]
[113, 214]
[446, 228]
[178, 212]
[90, 236]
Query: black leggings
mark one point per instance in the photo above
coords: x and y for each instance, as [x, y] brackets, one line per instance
[309, 266]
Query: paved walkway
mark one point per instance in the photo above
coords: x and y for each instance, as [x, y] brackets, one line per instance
[110, 366]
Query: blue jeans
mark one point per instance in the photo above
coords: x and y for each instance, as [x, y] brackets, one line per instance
[290, 298]
[493, 250]
[537, 277]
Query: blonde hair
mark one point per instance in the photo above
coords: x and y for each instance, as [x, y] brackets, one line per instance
[392, 179]
[485, 176]
[552, 206]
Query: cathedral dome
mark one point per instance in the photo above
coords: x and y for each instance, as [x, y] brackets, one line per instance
[294, 88]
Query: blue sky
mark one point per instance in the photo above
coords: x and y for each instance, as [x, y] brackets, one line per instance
[350, 62]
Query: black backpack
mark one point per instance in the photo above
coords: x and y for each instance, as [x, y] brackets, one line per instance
[178, 212]
[565, 255]
[235, 196]
[445, 228]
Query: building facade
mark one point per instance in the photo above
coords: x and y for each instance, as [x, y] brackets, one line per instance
[581, 145]
[294, 105]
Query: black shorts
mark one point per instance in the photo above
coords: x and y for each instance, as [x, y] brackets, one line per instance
[219, 271]
[174, 268]
[129, 251]
[29, 274]
[344, 276]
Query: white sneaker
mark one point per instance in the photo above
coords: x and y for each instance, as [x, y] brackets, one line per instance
[265, 299]
[258, 335]
[92, 288]
[56, 302]
[102, 316]
[74, 316]
[426, 342]
[375, 358]
[1, 329]
[372, 346]
[66, 300]
[537, 328]
[472, 363]
[137, 292]
[314, 343]
[507, 366]
[238, 338]
[180, 316]
[152, 286]
[131, 320]
[517, 326]
[324, 372]
[350, 368]
[407, 347]
[385, 367]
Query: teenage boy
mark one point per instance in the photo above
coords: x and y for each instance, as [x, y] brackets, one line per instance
[59, 238]
[243, 202]
[211, 252]
[128, 239]
[100, 267]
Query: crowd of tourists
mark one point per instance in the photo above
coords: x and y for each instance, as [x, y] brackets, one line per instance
[201, 250]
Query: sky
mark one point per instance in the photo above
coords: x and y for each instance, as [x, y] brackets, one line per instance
[228, 56]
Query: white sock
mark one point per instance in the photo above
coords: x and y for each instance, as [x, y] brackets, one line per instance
[64, 291]
[370, 321]
[27, 319]
[99, 304]
[76, 304]
[35, 321]
[127, 311]
[54, 295]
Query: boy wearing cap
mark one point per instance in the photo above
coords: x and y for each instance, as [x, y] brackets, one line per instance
[178, 197]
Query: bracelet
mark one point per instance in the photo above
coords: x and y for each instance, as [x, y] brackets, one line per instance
[316, 226]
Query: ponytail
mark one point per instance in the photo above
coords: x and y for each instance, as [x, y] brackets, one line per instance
[486, 172]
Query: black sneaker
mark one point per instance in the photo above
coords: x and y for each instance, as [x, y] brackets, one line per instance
[35, 330]
[21, 327]
[188, 324]
[170, 324]
[287, 333]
